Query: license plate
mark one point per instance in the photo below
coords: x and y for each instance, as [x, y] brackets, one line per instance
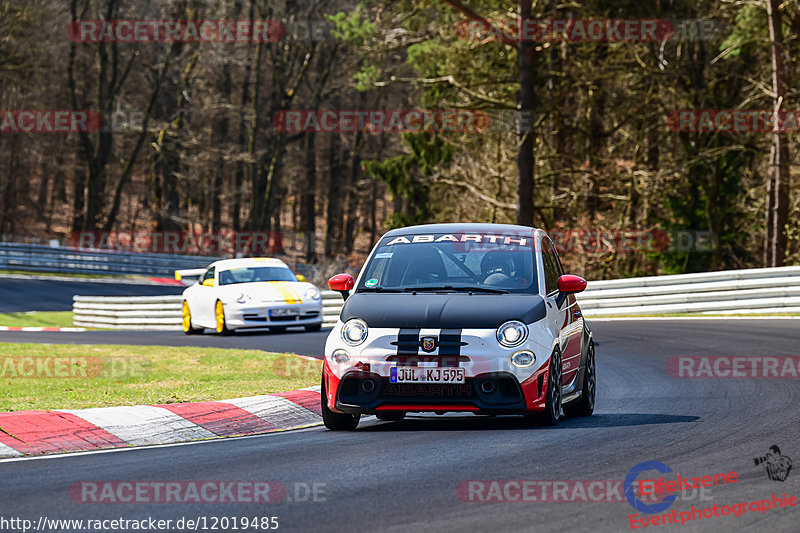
[288, 311]
[413, 374]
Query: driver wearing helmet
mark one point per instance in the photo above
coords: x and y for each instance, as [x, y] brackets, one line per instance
[497, 268]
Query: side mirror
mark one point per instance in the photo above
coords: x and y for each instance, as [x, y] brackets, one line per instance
[571, 284]
[568, 284]
[342, 283]
[300, 277]
[208, 283]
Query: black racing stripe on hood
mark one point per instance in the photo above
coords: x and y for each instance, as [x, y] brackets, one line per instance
[442, 311]
[407, 341]
[450, 342]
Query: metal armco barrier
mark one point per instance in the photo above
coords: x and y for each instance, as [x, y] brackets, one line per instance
[128, 312]
[754, 291]
[41, 258]
[158, 312]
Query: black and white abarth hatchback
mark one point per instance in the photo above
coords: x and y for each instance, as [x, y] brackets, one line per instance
[475, 318]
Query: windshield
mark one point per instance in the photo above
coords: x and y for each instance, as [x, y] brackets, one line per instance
[487, 263]
[255, 274]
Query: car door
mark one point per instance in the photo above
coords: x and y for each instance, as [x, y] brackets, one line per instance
[572, 330]
[205, 299]
[557, 319]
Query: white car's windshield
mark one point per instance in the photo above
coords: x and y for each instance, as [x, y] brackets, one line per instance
[480, 262]
[255, 274]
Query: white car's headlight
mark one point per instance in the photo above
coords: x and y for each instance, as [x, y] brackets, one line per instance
[354, 331]
[242, 298]
[512, 333]
[312, 294]
[523, 359]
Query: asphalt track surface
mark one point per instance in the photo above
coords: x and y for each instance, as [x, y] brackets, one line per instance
[19, 295]
[295, 340]
[403, 476]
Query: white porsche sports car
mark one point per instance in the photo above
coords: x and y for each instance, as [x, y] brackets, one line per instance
[256, 292]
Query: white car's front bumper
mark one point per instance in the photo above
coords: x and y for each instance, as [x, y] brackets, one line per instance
[272, 314]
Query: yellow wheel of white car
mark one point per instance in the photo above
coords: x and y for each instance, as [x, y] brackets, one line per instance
[219, 315]
[186, 320]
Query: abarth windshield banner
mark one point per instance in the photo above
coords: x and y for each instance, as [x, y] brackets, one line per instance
[512, 240]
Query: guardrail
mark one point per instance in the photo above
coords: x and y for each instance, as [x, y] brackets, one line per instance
[754, 291]
[41, 258]
[158, 312]
[128, 312]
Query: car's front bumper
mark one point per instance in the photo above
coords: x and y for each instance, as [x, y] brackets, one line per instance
[238, 316]
[489, 393]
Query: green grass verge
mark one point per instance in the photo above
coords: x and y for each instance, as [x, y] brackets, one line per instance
[70, 376]
[54, 319]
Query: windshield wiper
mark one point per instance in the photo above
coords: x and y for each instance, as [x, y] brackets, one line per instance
[455, 289]
[377, 289]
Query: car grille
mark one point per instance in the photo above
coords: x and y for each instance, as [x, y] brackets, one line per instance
[263, 318]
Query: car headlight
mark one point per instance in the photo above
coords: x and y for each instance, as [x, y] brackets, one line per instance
[354, 331]
[523, 359]
[512, 333]
[242, 298]
[340, 356]
[312, 294]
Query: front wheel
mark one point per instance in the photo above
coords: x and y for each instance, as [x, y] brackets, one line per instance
[219, 316]
[336, 421]
[585, 405]
[552, 402]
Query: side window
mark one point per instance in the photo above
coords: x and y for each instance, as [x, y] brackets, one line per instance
[208, 275]
[559, 267]
[550, 264]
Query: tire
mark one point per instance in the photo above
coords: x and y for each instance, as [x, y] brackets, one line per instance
[585, 405]
[391, 416]
[186, 320]
[336, 421]
[315, 327]
[219, 316]
[552, 402]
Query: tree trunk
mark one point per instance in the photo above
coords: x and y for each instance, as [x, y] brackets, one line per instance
[333, 236]
[308, 200]
[353, 194]
[778, 185]
[527, 104]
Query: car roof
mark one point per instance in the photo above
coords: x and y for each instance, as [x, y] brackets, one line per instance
[243, 262]
[462, 228]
